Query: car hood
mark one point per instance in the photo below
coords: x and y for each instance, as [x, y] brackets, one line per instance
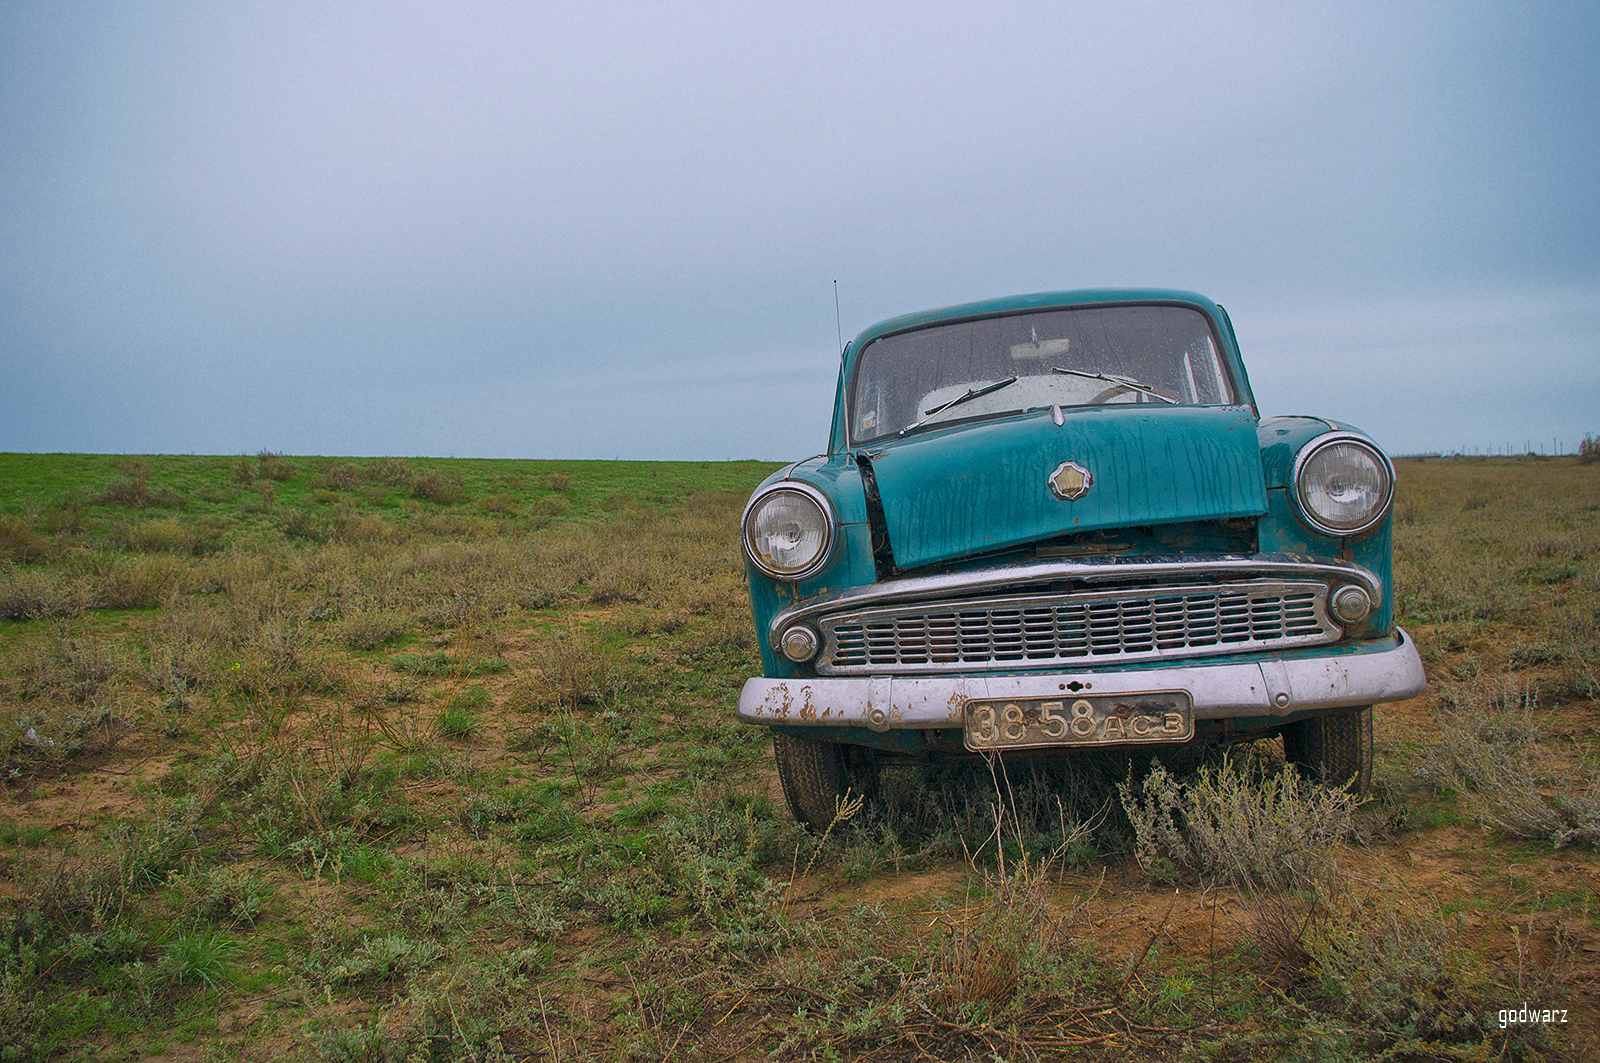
[975, 488]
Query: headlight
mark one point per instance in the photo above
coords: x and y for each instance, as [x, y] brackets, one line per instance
[1342, 484]
[788, 531]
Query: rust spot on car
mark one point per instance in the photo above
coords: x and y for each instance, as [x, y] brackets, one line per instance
[957, 706]
[778, 702]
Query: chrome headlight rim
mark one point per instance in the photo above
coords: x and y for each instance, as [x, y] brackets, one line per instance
[830, 524]
[1308, 516]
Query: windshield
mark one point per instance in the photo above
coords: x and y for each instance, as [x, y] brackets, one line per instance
[1121, 354]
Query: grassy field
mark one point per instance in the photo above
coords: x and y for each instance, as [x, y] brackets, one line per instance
[337, 759]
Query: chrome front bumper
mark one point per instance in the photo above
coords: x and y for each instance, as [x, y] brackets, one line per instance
[1220, 691]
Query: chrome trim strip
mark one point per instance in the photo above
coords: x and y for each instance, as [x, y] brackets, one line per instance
[1038, 575]
[953, 634]
[1273, 687]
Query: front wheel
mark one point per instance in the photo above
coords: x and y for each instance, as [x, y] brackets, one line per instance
[819, 776]
[1334, 749]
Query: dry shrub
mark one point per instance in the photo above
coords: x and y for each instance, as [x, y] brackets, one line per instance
[433, 485]
[390, 472]
[1488, 751]
[1236, 826]
[559, 482]
[137, 582]
[131, 491]
[982, 952]
[542, 588]
[342, 476]
[68, 668]
[156, 536]
[270, 466]
[552, 506]
[1381, 961]
[577, 671]
[364, 528]
[623, 579]
[188, 650]
[497, 503]
[280, 657]
[718, 593]
[19, 541]
[365, 629]
[576, 554]
[35, 594]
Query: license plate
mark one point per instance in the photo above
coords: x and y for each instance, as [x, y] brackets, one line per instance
[1098, 720]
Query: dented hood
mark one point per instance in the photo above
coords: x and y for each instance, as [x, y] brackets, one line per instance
[976, 488]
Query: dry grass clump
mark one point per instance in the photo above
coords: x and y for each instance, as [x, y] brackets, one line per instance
[121, 582]
[265, 466]
[342, 476]
[431, 485]
[34, 594]
[1236, 825]
[576, 669]
[132, 489]
[20, 541]
[169, 535]
[367, 628]
[1387, 967]
[983, 951]
[188, 650]
[389, 472]
[498, 502]
[1489, 752]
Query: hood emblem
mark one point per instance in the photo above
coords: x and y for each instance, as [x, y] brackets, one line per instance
[1070, 481]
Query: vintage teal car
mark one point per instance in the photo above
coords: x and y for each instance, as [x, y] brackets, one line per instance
[1056, 522]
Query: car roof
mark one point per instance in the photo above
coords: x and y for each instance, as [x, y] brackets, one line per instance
[1012, 304]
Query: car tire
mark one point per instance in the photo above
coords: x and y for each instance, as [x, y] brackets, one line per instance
[818, 775]
[1334, 749]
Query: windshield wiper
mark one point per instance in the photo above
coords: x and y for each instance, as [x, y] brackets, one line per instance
[971, 394]
[1123, 381]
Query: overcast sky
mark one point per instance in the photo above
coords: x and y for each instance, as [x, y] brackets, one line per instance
[602, 229]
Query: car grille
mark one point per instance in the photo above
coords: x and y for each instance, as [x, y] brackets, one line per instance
[1077, 628]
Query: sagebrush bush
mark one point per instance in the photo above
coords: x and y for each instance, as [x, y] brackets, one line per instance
[34, 594]
[1391, 965]
[1488, 751]
[431, 485]
[343, 476]
[1234, 826]
[21, 541]
[389, 472]
[270, 466]
[367, 628]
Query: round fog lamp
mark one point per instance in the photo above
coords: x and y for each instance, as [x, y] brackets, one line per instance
[1351, 604]
[799, 644]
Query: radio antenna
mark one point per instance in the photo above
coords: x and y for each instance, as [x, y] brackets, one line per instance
[838, 324]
